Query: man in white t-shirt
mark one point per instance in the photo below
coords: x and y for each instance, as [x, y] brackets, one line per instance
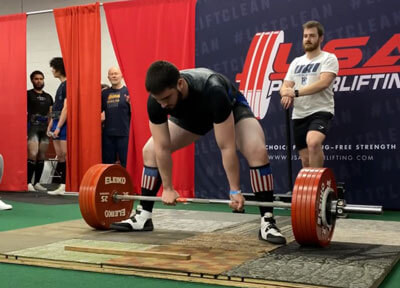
[308, 86]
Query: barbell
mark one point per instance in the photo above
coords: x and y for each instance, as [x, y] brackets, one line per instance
[106, 196]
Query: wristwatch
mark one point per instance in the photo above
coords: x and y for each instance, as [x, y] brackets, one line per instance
[296, 93]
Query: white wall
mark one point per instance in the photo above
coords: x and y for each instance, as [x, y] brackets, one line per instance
[42, 39]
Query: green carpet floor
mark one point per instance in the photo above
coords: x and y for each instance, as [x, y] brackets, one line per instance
[27, 215]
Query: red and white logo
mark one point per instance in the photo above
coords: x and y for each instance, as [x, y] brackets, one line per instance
[254, 80]
[266, 65]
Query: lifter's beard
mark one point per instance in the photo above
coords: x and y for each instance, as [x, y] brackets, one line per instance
[178, 102]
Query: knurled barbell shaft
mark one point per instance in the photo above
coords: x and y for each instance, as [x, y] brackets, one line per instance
[203, 201]
[348, 208]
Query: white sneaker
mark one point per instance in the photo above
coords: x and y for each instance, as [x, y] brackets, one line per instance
[269, 232]
[59, 191]
[139, 221]
[31, 188]
[4, 206]
[38, 187]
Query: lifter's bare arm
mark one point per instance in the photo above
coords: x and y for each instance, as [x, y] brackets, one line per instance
[163, 151]
[225, 136]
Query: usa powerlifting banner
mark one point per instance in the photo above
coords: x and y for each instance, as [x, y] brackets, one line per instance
[253, 42]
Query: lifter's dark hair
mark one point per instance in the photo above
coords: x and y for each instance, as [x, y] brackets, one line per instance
[160, 76]
[57, 64]
[316, 24]
[36, 72]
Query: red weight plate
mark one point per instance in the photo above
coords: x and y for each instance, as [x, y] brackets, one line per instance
[321, 182]
[85, 192]
[311, 217]
[299, 201]
[98, 186]
[300, 218]
[309, 197]
[296, 206]
[306, 207]
[324, 182]
[90, 196]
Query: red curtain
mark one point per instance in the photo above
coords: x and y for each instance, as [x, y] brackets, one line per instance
[13, 107]
[78, 31]
[143, 31]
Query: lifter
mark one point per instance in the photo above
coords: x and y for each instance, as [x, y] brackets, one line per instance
[198, 101]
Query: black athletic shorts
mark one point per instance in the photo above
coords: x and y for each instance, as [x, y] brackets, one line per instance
[319, 121]
[240, 112]
[37, 133]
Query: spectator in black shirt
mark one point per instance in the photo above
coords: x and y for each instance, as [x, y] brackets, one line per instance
[39, 109]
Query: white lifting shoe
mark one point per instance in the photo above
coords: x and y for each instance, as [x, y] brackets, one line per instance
[269, 232]
[139, 221]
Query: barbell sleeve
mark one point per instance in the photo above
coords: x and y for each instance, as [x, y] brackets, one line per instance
[364, 209]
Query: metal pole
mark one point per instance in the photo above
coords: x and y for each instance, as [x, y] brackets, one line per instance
[1, 167]
[44, 11]
[39, 12]
[288, 151]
